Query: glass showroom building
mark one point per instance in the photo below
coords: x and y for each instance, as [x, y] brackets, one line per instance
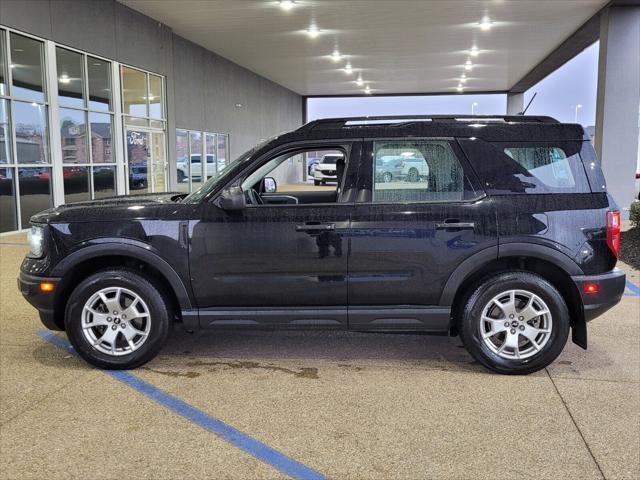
[144, 111]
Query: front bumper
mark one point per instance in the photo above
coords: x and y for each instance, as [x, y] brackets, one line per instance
[611, 287]
[320, 175]
[29, 286]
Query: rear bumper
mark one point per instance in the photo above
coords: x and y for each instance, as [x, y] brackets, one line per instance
[29, 286]
[610, 290]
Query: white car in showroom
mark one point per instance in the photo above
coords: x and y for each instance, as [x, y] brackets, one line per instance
[325, 171]
[196, 167]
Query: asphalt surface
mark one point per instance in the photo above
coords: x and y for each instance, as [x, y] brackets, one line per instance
[314, 405]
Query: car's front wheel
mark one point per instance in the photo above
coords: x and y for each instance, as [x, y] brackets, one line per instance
[515, 323]
[117, 319]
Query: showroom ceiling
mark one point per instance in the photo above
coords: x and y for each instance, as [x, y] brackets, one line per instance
[394, 46]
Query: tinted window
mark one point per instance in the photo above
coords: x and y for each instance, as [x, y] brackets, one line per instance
[540, 168]
[416, 171]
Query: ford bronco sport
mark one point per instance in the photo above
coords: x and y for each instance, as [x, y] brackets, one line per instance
[508, 238]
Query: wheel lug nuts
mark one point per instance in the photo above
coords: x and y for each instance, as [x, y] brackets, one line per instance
[520, 318]
[108, 319]
[511, 316]
[113, 327]
[124, 316]
[115, 313]
[521, 327]
[513, 330]
[124, 325]
[506, 324]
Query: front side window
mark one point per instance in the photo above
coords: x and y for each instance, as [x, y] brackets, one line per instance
[416, 171]
[285, 179]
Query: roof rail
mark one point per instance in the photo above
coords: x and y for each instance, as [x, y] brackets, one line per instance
[398, 120]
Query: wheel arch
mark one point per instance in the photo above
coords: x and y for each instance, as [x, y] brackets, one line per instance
[553, 266]
[82, 263]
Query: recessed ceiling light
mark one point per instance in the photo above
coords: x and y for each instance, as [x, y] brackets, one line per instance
[64, 78]
[238, 105]
[348, 70]
[367, 90]
[474, 51]
[485, 24]
[459, 88]
[359, 81]
[287, 4]
[464, 75]
[313, 31]
[468, 65]
[463, 79]
[335, 56]
[18, 50]
[96, 64]
[13, 66]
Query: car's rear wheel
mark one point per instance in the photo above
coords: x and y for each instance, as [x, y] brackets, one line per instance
[181, 176]
[515, 323]
[387, 177]
[413, 175]
[117, 319]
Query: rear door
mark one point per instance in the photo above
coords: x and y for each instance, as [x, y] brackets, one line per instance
[409, 232]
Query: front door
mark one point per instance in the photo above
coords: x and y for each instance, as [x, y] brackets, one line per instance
[420, 214]
[146, 161]
[282, 260]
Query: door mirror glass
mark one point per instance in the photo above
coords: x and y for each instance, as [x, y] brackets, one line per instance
[232, 198]
[270, 185]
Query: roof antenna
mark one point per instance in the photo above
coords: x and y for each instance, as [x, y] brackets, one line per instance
[528, 104]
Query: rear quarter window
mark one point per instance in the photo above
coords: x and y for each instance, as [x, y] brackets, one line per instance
[527, 167]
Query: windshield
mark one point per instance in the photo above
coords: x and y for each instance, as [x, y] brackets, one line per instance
[213, 182]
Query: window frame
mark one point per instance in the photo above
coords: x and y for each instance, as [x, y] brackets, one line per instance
[366, 176]
[350, 146]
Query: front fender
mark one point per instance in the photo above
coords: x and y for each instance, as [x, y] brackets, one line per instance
[127, 248]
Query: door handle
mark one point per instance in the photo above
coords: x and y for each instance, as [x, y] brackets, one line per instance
[315, 227]
[455, 225]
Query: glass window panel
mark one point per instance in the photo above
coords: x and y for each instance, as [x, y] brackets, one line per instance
[99, 73]
[210, 149]
[416, 171]
[136, 122]
[101, 140]
[69, 66]
[156, 124]
[5, 136]
[31, 132]
[73, 135]
[8, 217]
[198, 168]
[155, 96]
[549, 165]
[182, 160]
[158, 162]
[134, 92]
[223, 147]
[76, 184]
[26, 68]
[3, 64]
[35, 192]
[104, 181]
[138, 157]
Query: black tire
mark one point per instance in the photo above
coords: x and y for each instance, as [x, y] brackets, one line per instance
[387, 177]
[181, 176]
[316, 182]
[143, 287]
[413, 175]
[469, 325]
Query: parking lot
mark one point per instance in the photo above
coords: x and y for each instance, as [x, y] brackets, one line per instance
[315, 405]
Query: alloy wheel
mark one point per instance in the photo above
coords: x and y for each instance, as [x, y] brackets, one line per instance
[116, 321]
[516, 324]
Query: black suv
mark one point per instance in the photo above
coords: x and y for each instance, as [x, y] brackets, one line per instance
[507, 237]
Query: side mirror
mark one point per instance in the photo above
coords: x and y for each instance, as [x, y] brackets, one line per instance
[270, 185]
[232, 198]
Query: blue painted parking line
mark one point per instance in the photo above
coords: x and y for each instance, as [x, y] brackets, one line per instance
[244, 442]
[635, 289]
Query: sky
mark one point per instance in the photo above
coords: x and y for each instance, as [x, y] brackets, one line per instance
[559, 93]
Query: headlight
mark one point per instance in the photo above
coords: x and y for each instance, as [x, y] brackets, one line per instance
[35, 237]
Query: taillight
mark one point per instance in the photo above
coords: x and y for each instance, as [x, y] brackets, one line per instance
[613, 232]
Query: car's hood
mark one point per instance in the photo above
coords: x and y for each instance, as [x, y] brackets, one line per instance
[108, 208]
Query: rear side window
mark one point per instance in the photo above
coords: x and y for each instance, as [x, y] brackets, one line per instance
[527, 167]
[549, 165]
[416, 171]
